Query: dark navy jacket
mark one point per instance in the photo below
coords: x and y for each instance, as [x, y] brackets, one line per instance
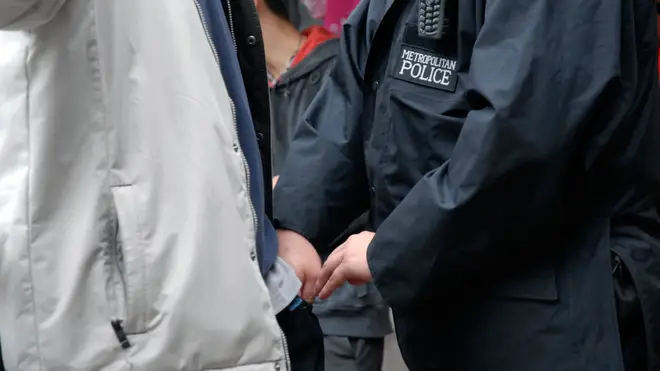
[252, 108]
[501, 164]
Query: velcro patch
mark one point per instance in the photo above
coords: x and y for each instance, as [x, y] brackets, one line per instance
[426, 68]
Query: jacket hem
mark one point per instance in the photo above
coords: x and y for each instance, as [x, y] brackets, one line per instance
[365, 323]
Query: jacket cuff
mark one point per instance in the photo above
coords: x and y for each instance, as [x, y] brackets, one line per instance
[393, 289]
[293, 226]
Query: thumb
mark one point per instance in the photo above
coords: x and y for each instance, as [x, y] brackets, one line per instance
[308, 290]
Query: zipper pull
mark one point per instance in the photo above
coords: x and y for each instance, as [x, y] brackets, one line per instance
[120, 333]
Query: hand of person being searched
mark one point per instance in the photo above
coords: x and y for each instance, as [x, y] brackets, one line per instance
[347, 263]
[303, 258]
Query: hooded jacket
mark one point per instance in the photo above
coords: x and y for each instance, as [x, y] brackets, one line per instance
[501, 163]
[130, 203]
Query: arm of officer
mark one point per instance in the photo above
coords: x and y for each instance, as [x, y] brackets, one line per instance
[504, 183]
[322, 186]
[27, 14]
[635, 229]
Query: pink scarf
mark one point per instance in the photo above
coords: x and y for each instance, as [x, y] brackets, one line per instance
[333, 12]
[336, 13]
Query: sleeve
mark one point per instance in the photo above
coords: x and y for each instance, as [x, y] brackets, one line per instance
[635, 238]
[505, 183]
[325, 163]
[27, 14]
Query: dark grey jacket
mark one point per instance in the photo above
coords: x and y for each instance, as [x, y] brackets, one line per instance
[293, 94]
[352, 311]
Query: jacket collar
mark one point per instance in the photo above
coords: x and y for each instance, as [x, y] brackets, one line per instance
[325, 51]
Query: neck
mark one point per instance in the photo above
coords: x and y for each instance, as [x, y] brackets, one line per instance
[281, 42]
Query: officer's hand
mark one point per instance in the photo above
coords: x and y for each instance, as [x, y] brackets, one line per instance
[347, 263]
[303, 258]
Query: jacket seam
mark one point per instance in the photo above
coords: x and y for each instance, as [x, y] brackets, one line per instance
[97, 68]
[35, 315]
[618, 345]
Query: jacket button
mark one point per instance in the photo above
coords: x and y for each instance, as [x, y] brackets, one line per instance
[253, 255]
[374, 85]
[315, 77]
[372, 190]
[260, 136]
[252, 40]
[277, 367]
[235, 147]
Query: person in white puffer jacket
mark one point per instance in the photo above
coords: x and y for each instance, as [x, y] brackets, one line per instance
[129, 233]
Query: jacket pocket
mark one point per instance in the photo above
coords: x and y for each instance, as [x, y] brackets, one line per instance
[130, 261]
[424, 127]
[540, 285]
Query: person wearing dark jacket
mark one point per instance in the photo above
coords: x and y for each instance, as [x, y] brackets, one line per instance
[355, 320]
[505, 150]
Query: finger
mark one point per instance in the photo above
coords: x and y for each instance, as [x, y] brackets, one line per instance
[308, 290]
[336, 280]
[337, 251]
[334, 260]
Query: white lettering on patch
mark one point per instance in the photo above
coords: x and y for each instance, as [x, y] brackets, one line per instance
[426, 68]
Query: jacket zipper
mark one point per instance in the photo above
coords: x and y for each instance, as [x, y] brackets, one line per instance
[255, 221]
[231, 25]
[285, 345]
[230, 14]
[119, 297]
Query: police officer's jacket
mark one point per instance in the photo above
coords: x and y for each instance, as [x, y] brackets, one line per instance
[502, 162]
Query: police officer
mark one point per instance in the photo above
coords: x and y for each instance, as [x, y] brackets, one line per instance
[505, 147]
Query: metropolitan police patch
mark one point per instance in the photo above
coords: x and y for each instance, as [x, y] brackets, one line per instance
[426, 68]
